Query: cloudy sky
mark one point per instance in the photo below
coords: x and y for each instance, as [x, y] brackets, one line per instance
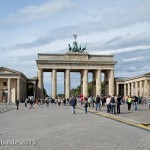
[118, 27]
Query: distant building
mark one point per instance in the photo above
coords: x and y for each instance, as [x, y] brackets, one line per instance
[139, 85]
[15, 85]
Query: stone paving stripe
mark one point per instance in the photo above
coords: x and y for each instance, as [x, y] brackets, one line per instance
[117, 119]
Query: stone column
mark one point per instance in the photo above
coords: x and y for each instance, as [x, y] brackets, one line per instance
[125, 92]
[9, 90]
[132, 88]
[85, 83]
[40, 83]
[67, 84]
[18, 88]
[94, 83]
[141, 88]
[98, 82]
[136, 88]
[145, 88]
[148, 87]
[34, 89]
[111, 82]
[117, 89]
[129, 92]
[81, 81]
[106, 85]
[54, 83]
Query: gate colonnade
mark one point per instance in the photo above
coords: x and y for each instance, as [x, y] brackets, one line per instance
[76, 62]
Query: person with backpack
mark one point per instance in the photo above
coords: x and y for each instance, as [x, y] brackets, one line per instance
[113, 105]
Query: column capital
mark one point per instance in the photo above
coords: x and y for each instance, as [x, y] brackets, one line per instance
[40, 69]
[99, 69]
[67, 69]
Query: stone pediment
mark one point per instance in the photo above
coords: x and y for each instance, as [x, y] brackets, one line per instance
[4, 70]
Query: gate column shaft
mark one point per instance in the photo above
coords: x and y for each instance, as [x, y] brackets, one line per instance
[85, 83]
[9, 89]
[98, 82]
[111, 82]
[40, 83]
[54, 83]
[67, 84]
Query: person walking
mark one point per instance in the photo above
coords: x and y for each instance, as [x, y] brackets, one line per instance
[98, 103]
[85, 105]
[17, 103]
[73, 102]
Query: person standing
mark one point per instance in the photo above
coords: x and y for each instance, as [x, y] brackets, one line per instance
[108, 104]
[118, 104]
[26, 102]
[98, 103]
[89, 101]
[149, 102]
[47, 102]
[129, 101]
[93, 101]
[17, 103]
[113, 105]
[85, 105]
[135, 102]
[73, 102]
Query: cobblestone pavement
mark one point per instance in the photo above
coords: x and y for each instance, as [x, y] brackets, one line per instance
[4, 107]
[141, 115]
[55, 128]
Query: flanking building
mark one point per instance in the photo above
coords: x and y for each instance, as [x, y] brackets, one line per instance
[138, 85]
[15, 85]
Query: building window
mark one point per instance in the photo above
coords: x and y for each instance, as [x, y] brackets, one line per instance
[4, 83]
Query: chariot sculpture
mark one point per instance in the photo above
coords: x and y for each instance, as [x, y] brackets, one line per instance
[75, 47]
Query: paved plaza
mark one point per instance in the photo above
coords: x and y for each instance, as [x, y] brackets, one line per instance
[55, 128]
[142, 115]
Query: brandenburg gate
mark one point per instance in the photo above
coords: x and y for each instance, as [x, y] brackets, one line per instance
[77, 62]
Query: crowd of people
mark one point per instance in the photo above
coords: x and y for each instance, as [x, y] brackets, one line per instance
[112, 103]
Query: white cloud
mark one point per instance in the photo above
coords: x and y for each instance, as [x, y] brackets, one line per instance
[134, 59]
[32, 12]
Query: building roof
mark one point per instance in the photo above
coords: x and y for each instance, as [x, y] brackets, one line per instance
[8, 71]
[121, 78]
